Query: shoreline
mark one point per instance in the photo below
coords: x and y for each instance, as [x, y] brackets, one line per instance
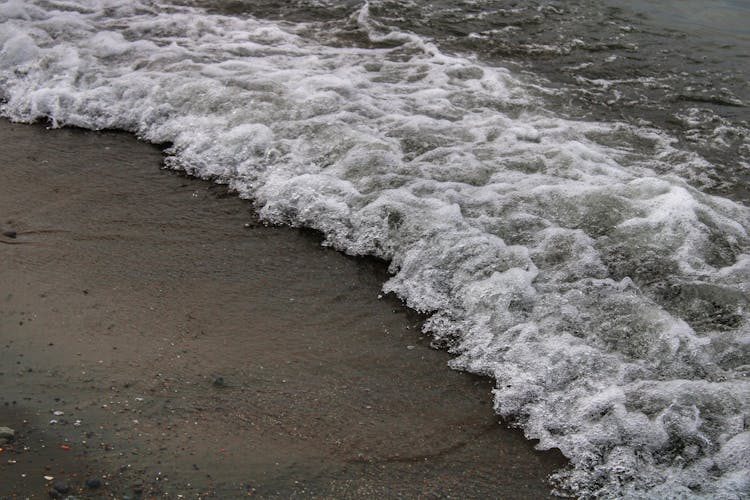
[193, 351]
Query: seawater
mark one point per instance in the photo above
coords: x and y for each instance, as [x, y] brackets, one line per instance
[569, 209]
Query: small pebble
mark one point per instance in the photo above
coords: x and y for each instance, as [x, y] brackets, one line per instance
[61, 487]
[9, 233]
[138, 488]
[7, 433]
[94, 482]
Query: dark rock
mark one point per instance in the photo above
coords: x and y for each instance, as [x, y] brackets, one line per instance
[138, 488]
[219, 382]
[61, 487]
[54, 494]
[9, 233]
[94, 482]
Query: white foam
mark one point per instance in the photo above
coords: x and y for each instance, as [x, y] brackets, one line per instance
[569, 260]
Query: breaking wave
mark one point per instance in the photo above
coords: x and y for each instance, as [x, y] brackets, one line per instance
[571, 261]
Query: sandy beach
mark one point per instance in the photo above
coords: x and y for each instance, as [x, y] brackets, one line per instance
[155, 337]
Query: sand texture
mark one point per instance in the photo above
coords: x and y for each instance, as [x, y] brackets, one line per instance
[187, 349]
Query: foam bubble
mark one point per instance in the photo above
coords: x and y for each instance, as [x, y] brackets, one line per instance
[17, 49]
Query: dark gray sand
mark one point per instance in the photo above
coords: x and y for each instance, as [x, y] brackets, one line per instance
[192, 355]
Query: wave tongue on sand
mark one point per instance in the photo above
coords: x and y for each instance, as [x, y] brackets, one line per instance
[569, 260]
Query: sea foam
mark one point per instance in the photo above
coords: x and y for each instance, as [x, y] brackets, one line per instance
[572, 261]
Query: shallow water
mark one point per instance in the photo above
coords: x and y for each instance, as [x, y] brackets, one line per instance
[543, 179]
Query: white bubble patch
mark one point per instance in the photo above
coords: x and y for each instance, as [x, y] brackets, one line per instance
[568, 260]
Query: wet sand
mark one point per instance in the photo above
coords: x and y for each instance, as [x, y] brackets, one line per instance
[193, 351]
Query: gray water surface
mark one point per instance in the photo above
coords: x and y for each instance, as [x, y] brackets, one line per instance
[680, 66]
